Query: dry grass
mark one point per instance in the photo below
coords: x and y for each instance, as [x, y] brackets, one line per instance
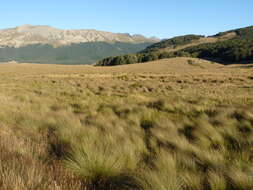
[161, 125]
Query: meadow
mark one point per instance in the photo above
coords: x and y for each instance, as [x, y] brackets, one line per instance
[173, 124]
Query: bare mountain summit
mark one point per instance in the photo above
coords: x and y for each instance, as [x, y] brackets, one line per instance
[29, 34]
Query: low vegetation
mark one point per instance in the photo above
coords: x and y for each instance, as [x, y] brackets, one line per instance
[177, 124]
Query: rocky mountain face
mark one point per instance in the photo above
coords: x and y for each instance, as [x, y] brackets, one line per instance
[29, 34]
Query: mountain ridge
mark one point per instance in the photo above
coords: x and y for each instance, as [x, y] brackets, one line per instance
[24, 35]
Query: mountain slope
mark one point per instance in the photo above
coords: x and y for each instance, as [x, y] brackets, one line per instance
[226, 47]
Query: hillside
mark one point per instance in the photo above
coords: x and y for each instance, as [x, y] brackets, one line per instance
[227, 47]
[172, 43]
[45, 44]
[160, 125]
[236, 49]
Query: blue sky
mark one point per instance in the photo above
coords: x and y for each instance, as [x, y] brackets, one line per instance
[161, 18]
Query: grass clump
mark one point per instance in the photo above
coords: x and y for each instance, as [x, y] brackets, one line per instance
[164, 176]
[98, 167]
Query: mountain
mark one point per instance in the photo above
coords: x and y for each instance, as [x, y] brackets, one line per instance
[45, 44]
[28, 35]
[234, 46]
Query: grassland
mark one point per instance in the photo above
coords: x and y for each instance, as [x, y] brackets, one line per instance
[169, 125]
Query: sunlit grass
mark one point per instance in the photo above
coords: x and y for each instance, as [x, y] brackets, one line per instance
[158, 126]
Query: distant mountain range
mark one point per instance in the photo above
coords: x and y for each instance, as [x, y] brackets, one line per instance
[28, 35]
[234, 46]
[45, 44]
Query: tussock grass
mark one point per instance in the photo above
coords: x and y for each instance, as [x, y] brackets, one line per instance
[103, 168]
[132, 127]
[164, 176]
